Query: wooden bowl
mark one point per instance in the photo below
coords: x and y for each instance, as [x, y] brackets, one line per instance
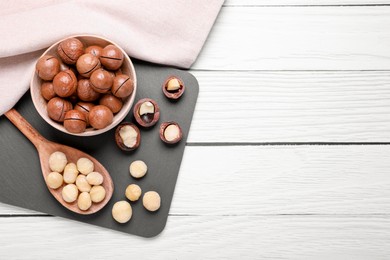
[41, 104]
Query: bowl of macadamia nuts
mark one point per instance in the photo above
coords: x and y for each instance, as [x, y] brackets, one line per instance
[83, 85]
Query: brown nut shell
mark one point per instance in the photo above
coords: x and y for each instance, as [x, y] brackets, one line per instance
[57, 107]
[85, 92]
[173, 87]
[147, 120]
[47, 90]
[177, 132]
[65, 83]
[94, 50]
[100, 117]
[86, 64]
[84, 107]
[111, 57]
[101, 80]
[75, 121]
[122, 86]
[47, 67]
[70, 50]
[112, 102]
[121, 143]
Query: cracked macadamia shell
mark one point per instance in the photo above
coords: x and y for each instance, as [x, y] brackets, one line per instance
[127, 136]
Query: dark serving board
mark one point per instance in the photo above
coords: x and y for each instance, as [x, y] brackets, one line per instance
[22, 183]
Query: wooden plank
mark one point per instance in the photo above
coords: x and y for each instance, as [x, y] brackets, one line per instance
[352, 106]
[304, 2]
[269, 180]
[298, 38]
[206, 237]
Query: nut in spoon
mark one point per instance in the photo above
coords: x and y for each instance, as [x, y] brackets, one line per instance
[45, 148]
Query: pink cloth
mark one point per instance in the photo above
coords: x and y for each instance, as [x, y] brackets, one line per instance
[170, 32]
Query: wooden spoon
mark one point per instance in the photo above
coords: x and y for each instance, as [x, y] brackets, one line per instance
[45, 148]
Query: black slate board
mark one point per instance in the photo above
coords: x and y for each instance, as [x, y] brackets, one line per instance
[22, 183]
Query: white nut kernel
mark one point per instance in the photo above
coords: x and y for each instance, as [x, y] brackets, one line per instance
[85, 166]
[133, 192]
[69, 193]
[57, 161]
[122, 212]
[172, 132]
[98, 193]
[146, 108]
[173, 84]
[84, 201]
[82, 183]
[95, 178]
[128, 135]
[151, 201]
[54, 180]
[70, 173]
[138, 169]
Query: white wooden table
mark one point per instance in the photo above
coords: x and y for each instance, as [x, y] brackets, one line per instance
[288, 155]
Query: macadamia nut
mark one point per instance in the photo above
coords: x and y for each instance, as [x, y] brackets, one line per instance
[82, 183]
[94, 178]
[98, 193]
[133, 192]
[122, 212]
[129, 135]
[54, 180]
[84, 201]
[151, 201]
[85, 166]
[70, 193]
[138, 169]
[57, 161]
[70, 173]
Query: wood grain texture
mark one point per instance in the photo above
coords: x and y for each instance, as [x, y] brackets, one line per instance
[269, 180]
[254, 3]
[298, 38]
[256, 106]
[206, 237]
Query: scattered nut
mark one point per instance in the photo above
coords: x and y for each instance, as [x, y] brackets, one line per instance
[173, 88]
[84, 201]
[98, 193]
[54, 180]
[151, 200]
[70, 193]
[70, 173]
[82, 183]
[122, 212]
[146, 112]
[47, 67]
[94, 178]
[138, 169]
[57, 161]
[127, 136]
[85, 165]
[133, 192]
[170, 132]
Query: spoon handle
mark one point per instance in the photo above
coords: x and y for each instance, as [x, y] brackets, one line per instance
[30, 132]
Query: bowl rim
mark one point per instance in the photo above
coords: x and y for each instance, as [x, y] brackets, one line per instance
[117, 118]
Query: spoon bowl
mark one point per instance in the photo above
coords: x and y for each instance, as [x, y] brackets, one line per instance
[45, 148]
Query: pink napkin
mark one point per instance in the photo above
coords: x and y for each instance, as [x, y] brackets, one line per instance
[170, 32]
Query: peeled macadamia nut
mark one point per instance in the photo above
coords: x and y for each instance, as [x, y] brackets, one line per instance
[138, 169]
[111, 57]
[82, 183]
[122, 86]
[57, 161]
[47, 67]
[84, 201]
[98, 193]
[86, 64]
[70, 173]
[57, 107]
[75, 121]
[133, 192]
[85, 165]
[100, 117]
[65, 83]
[70, 50]
[94, 178]
[122, 212]
[70, 193]
[54, 180]
[151, 200]
[47, 90]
